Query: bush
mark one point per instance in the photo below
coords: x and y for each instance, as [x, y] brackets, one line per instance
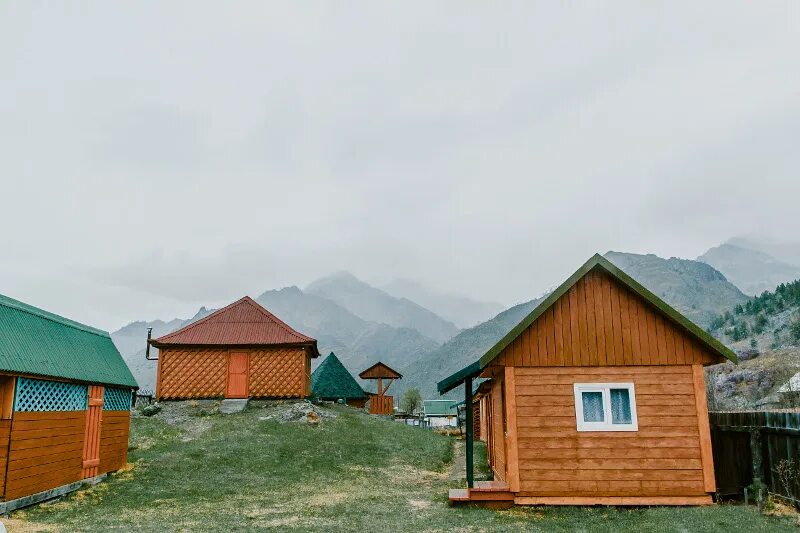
[150, 410]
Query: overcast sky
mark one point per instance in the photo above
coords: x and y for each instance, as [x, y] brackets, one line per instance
[162, 156]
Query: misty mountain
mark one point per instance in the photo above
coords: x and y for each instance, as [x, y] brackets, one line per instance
[357, 342]
[692, 287]
[375, 305]
[461, 350]
[746, 263]
[462, 311]
[131, 341]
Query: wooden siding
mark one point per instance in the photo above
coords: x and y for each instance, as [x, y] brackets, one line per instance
[498, 431]
[5, 433]
[599, 322]
[662, 458]
[114, 434]
[46, 451]
[274, 372]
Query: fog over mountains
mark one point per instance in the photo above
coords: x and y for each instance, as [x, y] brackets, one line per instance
[363, 324]
[755, 266]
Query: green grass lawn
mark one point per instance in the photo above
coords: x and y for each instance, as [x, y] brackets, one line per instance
[354, 473]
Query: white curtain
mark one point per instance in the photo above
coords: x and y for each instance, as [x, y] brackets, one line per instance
[620, 406]
[592, 406]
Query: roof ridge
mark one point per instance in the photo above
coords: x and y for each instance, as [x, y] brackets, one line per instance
[7, 301]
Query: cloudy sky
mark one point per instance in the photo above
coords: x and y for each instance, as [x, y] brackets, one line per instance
[160, 156]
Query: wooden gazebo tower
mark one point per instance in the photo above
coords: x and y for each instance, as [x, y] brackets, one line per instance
[379, 403]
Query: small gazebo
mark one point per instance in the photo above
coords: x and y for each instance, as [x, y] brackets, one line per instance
[379, 403]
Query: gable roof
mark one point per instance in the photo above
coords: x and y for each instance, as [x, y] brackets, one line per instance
[332, 381]
[439, 408]
[595, 262]
[242, 323]
[380, 370]
[36, 342]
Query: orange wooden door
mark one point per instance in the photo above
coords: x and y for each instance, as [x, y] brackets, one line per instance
[238, 367]
[91, 439]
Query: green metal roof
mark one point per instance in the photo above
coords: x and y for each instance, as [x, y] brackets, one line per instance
[439, 408]
[35, 342]
[332, 381]
[596, 261]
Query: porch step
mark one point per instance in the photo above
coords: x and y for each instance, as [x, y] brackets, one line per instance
[230, 405]
[491, 493]
[489, 486]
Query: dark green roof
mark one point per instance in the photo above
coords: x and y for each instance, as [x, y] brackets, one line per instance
[332, 381]
[35, 342]
[596, 261]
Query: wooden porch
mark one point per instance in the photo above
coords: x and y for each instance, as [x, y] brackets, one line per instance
[494, 494]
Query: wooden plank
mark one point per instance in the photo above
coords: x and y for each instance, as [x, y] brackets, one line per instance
[26, 425]
[608, 370]
[614, 464]
[591, 323]
[652, 335]
[536, 359]
[579, 377]
[644, 344]
[525, 337]
[48, 415]
[616, 323]
[599, 318]
[633, 316]
[540, 338]
[32, 434]
[609, 453]
[646, 388]
[558, 331]
[653, 431]
[29, 468]
[540, 443]
[608, 323]
[626, 500]
[625, 319]
[573, 325]
[511, 430]
[663, 356]
[43, 442]
[47, 450]
[549, 336]
[583, 333]
[531, 476]
[669, 334]
[703, 428]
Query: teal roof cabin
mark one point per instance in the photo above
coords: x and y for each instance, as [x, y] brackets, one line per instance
[331, 381]
[64, 383]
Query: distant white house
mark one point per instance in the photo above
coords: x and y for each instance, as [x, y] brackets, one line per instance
[440, 413]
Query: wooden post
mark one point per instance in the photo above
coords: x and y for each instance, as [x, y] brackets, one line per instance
[512, 445]
[469, 429]
[755, 451]
[703, 428]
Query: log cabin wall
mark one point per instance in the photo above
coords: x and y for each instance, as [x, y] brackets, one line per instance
[662, 458]
[498, 430]
[599, 322]
[273, 372]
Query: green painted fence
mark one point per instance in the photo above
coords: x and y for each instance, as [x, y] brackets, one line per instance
[763, 444]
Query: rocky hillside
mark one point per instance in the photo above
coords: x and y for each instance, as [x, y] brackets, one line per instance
[753, 270]
[375, 305]
[692, 287]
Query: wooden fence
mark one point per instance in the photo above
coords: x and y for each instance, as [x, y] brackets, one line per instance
[763, 444]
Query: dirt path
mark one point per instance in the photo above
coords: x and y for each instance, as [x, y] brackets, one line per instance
[458, 470]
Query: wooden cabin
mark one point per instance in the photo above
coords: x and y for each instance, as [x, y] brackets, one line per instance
[596, 397]
[379, 402]
[440, 413]
[332, 382]
[239, 351]
[65, 400]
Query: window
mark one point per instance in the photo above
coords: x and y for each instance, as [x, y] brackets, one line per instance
[605, 407]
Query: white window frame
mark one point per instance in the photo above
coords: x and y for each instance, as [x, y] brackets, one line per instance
[605, 389]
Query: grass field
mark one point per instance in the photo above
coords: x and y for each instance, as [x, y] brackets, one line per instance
[354, 473]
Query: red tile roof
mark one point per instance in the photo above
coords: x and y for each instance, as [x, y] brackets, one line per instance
[243, 322]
